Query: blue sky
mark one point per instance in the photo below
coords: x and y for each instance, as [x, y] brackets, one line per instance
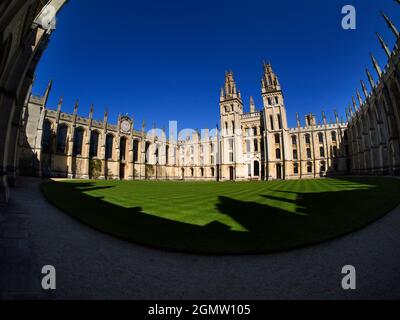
[165, 60]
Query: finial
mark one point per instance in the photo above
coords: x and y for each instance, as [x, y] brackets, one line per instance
[354, 105]
[370, 79]
[376, 65]
[91, 110]
[60, 102]
[364, 88]
[360, 101]
[76, 107]
[390, 24]
[384, 45]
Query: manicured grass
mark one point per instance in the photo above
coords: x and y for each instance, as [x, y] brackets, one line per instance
[237, 217]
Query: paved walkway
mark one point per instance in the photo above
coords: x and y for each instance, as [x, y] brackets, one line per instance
[92, 265]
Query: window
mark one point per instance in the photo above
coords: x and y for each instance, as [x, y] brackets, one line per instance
[78, 142]
[202, 172]
[248, 132]
[334, 138]
[279, 121]
[307, 138]
[271, 120]
[256, 169]
[269, 101]
[255, 145]
[309, 167]
[278, 153]
[322, 152]
[231, 156]
[192, 172]
[136, 151]
[323, 166]
[109, 146]
[255, 131]
[94, 144]
[167, 155]
[296, 169]
[122, 149]
[212, 172]
[295, 155]
[249, 170]
[276, 100]
[294, 140]
[321, 137]
[230, 144]
[62, 139]
[46, 139]
[248, 146]
[334, 151]
[212, 159]
[308, 153]
[277, 138]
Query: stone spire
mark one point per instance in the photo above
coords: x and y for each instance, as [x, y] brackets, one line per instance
[252, 105]
[354, 105]
[91, 111]
[76, 107]
[370, 79]
[376, 65]
[360, 101]
[324, 117]
[105, 118]
[336, 116]
[270, 82]
[364, 88]
[390, 24]
[298, 120]
[60, 102]
[230, 90]
[384, 45]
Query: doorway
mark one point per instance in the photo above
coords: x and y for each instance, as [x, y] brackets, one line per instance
[279, 171]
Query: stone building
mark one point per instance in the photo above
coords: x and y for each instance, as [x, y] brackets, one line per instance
[254, 145]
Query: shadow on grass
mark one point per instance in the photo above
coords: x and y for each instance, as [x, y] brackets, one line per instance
[318, 217]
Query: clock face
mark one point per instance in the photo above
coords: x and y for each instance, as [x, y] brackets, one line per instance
[125, 126]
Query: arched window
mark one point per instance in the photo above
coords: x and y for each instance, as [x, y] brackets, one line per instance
[46, 138]
[271, 120]
[322, 152]
[309, 167]
[256, 169]
[94, 144]
[278, 153]
[334, 137]
[62, 139]
[109, 146]
[78, 141]
[321, 137]
[307, 138]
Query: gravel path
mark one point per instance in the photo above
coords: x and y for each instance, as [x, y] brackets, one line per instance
[92, 265]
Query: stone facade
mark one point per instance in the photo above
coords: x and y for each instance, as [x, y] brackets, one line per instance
[254, 145]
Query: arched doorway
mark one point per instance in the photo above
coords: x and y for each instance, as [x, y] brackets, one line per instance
[231, 173]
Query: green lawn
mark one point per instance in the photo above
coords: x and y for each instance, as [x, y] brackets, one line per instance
[232, 217]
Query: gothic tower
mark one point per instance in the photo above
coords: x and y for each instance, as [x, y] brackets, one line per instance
[275, 123]
[231, 109]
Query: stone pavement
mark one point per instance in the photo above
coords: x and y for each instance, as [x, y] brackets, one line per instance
[92, 265]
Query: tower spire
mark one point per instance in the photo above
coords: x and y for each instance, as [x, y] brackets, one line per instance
[384, 45]
[376, 65]
[252, 104]
[364, 88]
[270, 82]
[390, 24]
[230, 90]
